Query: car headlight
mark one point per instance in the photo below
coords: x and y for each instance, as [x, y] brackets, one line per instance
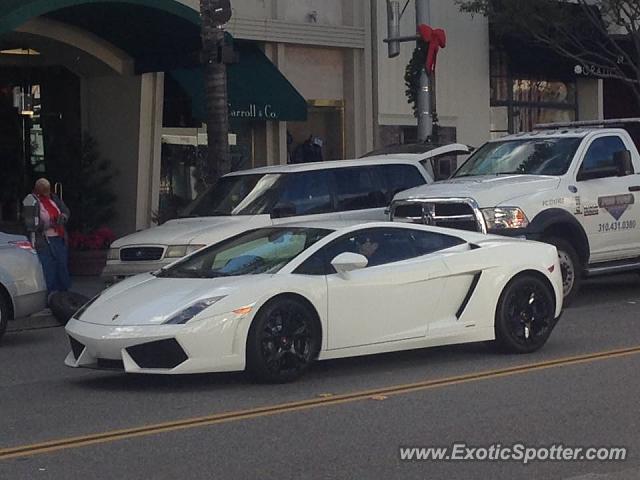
[113, 254]
[179, 251]
[183, 316]
[504, 217]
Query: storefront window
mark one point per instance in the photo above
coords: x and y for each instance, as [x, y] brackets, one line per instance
[520, 101]
[183, 150]
[184, 147]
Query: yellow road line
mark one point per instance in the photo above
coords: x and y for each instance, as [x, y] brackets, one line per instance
[146, 430]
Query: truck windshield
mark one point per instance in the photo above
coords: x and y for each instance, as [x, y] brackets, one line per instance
[236, 195]
[532, 156]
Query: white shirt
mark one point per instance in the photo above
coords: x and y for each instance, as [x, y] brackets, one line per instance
[45, 218]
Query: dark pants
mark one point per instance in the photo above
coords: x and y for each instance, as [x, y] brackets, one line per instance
[54, 258]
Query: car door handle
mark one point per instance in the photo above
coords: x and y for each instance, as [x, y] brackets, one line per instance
[634, 188]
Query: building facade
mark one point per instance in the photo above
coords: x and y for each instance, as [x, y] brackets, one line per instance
[115, 71]
[125, 73]
[485, 87]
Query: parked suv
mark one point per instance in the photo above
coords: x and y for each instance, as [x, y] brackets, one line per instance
[574, 186]
[337, 190]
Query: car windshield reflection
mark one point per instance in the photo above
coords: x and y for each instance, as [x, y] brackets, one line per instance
[539, 156]
[265, 250]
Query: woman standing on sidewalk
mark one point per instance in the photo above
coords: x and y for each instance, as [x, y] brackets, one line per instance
[51, 237]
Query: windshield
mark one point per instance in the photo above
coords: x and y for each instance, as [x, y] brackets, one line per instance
[265, 250]
[236, 195]
[532, 156]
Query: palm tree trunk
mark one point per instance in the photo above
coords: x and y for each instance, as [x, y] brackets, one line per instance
[218, 160]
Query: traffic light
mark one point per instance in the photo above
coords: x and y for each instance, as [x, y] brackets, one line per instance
[219, 11]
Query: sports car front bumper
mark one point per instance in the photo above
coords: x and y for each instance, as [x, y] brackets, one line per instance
[209, 345]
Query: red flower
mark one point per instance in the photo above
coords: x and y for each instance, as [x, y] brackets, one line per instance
[99, 239]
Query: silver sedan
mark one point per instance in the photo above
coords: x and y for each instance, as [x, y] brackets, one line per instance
[22, 287]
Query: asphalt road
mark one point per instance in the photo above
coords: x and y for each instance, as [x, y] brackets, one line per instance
[345, 419]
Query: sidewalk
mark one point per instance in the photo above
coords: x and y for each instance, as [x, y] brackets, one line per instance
[88, 286]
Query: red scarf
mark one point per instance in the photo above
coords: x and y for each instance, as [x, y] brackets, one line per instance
[54, 213]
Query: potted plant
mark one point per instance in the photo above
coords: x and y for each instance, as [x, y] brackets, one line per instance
[88, 193]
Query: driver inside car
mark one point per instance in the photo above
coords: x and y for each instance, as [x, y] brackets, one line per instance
[368, 248]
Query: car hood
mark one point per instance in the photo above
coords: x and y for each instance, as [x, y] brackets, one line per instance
[201, 230]
[149, 300]
[486, 190]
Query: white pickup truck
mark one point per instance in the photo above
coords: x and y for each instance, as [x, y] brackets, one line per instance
[571, 185]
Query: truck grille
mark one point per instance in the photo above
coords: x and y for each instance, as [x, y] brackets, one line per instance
[458, 214]
[141, 254]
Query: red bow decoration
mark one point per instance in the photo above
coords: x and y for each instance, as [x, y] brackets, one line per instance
[436, 39]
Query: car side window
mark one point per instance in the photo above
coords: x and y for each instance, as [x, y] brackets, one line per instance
[305, 193]
[600, 154]
[316, 264]
[357, 189]
[430, 242]
[380, 245]
[399, 177]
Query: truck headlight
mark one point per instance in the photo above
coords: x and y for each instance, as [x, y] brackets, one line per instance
[504, 217]
[179, 251]
[183, 316]
[113, 254]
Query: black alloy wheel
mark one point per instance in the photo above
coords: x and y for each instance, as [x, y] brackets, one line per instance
[525, 315]
[283, 341]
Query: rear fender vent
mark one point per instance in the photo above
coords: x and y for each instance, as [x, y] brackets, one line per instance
[467, 298]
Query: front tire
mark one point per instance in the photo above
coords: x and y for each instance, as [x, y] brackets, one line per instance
[525, 315]
[5, 312]
[64, 305]
[283, 341]
[571, 268]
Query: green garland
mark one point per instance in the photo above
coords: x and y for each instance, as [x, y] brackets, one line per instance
[412, 74]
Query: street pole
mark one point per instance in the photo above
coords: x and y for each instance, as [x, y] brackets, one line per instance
[214, 14]
[423, 102]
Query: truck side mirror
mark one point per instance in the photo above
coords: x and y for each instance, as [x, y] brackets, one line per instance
[622, 161]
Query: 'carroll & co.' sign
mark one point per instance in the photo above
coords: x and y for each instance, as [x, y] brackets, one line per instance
[254, 111]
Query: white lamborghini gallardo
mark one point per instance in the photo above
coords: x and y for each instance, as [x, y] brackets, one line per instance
[273, 300]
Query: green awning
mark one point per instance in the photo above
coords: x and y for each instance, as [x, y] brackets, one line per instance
[257, 90]
[164, 35]
[14, 13]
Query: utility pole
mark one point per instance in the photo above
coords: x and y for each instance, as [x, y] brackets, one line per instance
[214, 14]
[423, 102]
[426, 92]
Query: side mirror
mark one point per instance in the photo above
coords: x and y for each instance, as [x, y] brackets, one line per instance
[622, 161]
[347, 262]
